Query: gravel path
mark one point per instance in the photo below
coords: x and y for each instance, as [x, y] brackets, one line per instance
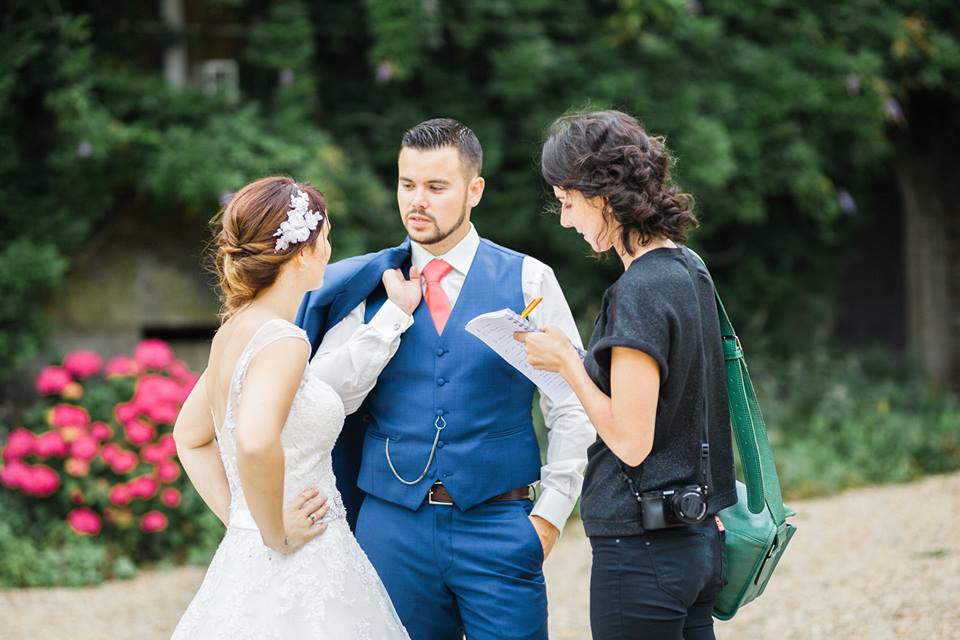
[877, 563]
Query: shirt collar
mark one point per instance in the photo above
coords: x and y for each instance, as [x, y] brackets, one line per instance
[459, 257]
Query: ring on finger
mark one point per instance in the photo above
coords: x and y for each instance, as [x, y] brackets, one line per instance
[313, 518]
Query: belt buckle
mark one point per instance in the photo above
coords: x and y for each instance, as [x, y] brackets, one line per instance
[430, 499]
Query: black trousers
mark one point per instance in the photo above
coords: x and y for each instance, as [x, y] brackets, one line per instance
[657, 585]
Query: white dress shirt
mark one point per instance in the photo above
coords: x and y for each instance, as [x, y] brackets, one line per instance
[352, 355]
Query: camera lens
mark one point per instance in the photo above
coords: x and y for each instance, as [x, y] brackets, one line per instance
[689, 505]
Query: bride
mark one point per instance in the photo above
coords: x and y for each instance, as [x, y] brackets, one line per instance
[256, 433]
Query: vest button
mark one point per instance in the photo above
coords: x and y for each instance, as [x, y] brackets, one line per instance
[440, 352]
[441, 382]
[440, 444]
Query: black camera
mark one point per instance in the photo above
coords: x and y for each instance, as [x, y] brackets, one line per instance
[673, 507]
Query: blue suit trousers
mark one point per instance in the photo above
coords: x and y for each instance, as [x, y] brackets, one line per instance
[451, 572]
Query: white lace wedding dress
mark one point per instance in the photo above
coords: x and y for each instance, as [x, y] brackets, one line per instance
[328, 588]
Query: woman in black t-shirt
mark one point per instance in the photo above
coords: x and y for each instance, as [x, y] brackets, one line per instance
[652, 384]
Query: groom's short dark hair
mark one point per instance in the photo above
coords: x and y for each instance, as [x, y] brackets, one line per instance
[446, 132]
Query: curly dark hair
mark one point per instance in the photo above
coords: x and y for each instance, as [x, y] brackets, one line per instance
[608, 154]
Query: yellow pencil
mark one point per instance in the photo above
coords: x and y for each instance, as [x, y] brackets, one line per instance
[530, 307]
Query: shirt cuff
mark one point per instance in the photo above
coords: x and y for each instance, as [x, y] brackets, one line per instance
[391, 320]
[554, 507]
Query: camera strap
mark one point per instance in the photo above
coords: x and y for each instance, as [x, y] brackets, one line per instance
[705, 475]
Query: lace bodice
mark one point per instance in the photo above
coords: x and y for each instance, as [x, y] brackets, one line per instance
[312, 427]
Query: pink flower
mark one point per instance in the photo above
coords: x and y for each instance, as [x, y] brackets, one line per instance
[162, 413]
[84, 522]
[123, 462]
[83, 364]
[19, 444]
[126, 411]
[179, 370]
[101, 431]
[120, 460]
[50, 444]
[76, 467]
[153, 354]
[120, 495]
[120, 366]
[157, 389]
[159, 398]
[139, 433]
[154, 454]
[169, 444]
[144, 487]
[84, 448]
[41, 481]
[153, 521]
[52, 380]
[110, 453]
[170, 497]
[68, 415]
[14, 474]
[168, 471]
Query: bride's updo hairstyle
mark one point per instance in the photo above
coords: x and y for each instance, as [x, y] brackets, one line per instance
[246, 260]
[607, 154]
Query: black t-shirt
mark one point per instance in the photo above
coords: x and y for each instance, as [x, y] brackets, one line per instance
[652, 307]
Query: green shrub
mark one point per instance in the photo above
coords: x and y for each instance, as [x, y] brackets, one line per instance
[90, 484]
[839, 420]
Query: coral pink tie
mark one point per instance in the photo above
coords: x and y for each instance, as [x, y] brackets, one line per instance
[437, 301]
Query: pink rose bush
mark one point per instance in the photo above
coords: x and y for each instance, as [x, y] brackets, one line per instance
[98, 452]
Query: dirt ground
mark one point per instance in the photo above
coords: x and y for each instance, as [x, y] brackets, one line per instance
[877, 563]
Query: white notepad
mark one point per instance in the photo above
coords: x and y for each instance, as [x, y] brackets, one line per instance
[496, 330]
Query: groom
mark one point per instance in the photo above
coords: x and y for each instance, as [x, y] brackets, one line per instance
[443, 450]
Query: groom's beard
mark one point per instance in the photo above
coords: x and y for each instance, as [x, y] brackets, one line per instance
[435, 235]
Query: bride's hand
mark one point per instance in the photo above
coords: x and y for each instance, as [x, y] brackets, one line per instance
[300, 519]
[403, 293]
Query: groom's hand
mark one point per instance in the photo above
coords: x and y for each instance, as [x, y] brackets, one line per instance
[547, 532]
[405, 294]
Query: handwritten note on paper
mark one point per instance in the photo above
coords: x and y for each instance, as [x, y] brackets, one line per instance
[496, 330]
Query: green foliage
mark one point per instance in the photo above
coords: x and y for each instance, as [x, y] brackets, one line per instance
[88, 134]
[774, 113]
[38, 552]
[46, 113]
[25, 269]
[843, 420]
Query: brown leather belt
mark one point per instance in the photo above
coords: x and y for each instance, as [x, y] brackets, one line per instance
[439, 495]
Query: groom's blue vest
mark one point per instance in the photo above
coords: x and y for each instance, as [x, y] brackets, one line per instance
[488, 445]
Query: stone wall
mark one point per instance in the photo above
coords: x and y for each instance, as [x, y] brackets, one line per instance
[138, 278]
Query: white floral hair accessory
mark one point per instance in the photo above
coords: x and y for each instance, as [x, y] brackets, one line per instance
[301, 220]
